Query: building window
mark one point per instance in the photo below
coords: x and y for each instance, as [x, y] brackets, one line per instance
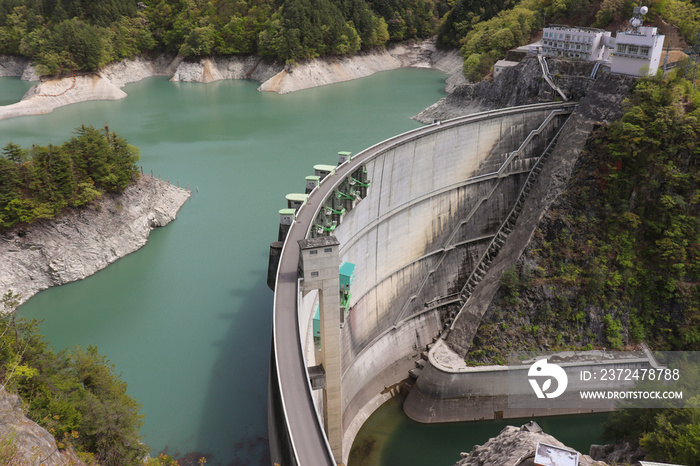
[328, 250]
[633, 49]
[314, 274]
[313, 252]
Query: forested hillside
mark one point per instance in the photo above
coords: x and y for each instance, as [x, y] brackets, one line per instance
[65, 35]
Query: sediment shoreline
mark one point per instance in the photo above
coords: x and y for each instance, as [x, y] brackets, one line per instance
[81, 242]
[106, 84]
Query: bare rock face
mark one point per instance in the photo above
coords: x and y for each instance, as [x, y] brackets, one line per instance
[135, 69]
[320, 72]
[31, 443]
[514, 446]
[519, 85]
[210, 69]
[619, 453]
[12, 65]
[86, 240]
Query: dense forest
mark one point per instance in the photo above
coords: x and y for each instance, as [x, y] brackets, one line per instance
[81, 35]
[42, 181]
[65, 35]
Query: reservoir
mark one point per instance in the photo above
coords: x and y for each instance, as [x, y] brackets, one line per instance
[186, 320]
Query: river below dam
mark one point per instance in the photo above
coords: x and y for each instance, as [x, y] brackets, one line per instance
[186, 320]
[390, 438]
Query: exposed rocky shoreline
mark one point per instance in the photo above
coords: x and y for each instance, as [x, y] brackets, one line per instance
[49, 94]
[83, 241]
[516, 446]
[518, 85]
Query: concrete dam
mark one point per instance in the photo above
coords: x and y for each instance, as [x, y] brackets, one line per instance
[418, 218]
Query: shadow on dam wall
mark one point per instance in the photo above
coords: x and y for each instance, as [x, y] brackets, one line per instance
[432, 208]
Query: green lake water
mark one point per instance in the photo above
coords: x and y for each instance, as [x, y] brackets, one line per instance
[186, 320]
[12, 90]
[389, 438]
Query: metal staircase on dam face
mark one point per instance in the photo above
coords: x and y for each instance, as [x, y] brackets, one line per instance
[492, 250]
[512, 164]
[499, 238]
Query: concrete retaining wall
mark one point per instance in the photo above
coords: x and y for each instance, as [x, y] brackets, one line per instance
[479, 393]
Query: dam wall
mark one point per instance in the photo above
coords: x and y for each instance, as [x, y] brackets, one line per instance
[431, 201]
[432, 207]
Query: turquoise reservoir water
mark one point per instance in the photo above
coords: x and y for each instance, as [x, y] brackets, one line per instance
[389, 438]
[12, 90]
[187, 319]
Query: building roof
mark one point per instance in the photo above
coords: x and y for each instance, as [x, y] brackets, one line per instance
[576, 28]
[674, 56]
[347, 269]
[321, 241]
[297, 197]
[550, 455]
[506, 63]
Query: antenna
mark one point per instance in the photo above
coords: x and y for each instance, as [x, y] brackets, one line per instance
[637, 18]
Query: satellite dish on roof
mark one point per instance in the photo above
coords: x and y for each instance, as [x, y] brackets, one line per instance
[644, 10]
[636, 22]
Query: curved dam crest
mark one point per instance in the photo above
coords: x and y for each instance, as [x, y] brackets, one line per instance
[435, 195]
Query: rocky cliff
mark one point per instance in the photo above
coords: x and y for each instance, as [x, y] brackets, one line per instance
[321, 72]
[515, 446]
[85, 240]
[519, 85]
[23, 442]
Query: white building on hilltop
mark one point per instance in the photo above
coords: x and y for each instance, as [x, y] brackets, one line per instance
[635, 52]
[638, 50]
[575, 42]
